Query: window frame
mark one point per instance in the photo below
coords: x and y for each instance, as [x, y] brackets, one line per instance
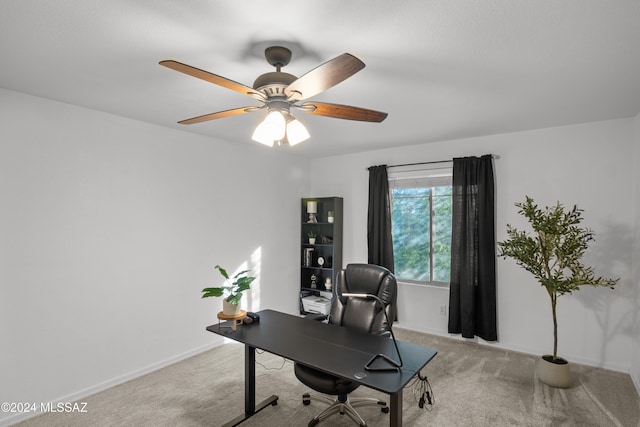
[422, 176]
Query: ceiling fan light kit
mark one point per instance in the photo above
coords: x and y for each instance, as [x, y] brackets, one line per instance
[276, 128]
[279, 92]
[296, 132]
[272, 128]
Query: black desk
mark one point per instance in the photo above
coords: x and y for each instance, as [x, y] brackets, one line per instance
[339, 351]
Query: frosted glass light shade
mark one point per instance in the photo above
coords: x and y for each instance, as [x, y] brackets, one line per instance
[271, 129]
[296, 132]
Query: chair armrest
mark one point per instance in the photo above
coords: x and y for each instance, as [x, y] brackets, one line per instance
[385, 333]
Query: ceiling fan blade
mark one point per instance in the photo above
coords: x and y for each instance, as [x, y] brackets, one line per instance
[212, 78]
[324, 77]
[343, 112]
[218, 115]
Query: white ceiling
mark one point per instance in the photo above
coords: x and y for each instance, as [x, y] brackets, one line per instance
[442, 69]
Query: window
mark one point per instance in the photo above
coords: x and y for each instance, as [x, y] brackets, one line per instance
[421, 224]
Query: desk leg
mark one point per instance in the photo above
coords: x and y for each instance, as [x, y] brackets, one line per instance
[395, 419]
[249, 380]
[250, 408]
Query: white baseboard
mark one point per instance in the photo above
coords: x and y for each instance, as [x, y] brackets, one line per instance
[73, 397]
[573, 358]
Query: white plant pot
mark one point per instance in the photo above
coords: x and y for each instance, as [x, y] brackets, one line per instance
[229, 309]
[312, 240]
[554, 374]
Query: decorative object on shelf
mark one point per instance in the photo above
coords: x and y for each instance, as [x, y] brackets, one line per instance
[308, 257]
[312, 237]
[312, 210]
[232, 292]
[328, 284]
[330, 217]
[320, 261]
[553, 255]
[314, 280]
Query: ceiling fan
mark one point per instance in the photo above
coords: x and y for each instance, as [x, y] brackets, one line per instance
[280, 93]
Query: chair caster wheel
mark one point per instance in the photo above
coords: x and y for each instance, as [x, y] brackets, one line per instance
[385, 409]
[306, 402]
[274, 403]
[313, 422]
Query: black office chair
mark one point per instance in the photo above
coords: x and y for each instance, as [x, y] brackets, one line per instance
[362, 314]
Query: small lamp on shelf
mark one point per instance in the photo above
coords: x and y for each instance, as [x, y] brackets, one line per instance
[312, 210]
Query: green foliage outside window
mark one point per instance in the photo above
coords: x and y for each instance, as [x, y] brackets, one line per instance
[421, 227]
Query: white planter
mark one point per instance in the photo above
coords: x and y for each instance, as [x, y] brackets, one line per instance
[554, 374]
[312, 240]
[229, 309]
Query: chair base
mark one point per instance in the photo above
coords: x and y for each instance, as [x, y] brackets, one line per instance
[343, 406]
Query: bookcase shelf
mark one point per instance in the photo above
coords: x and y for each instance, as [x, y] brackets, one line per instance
[322, 259]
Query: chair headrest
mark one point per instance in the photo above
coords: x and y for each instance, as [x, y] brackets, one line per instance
[369, 279]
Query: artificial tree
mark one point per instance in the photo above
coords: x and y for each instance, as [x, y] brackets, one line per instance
[553, 253]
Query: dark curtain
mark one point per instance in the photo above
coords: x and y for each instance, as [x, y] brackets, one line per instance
[379, 241]
[472, 293]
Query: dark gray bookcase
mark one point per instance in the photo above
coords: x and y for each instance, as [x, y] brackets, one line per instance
[321, 260]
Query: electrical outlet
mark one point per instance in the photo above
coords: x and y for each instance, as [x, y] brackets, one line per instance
[443, 310]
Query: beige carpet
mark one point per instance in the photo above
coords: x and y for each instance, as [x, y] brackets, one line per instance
[473, 385]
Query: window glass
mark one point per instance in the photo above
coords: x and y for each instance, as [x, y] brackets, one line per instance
[421, 225]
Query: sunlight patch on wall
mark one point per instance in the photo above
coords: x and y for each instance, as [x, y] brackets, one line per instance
[251, 298]
[255, 265]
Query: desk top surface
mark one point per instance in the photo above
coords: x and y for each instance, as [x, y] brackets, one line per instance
[336, 350]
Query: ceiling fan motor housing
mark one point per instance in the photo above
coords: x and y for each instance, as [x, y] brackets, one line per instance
[273, 83]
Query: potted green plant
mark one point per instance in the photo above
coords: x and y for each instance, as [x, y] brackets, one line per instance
[232, 292]
[553, 254]
[312, 237]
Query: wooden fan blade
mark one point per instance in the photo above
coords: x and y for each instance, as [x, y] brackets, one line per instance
[324, 77]
[212, 78]
[218, 115]
[343, 112]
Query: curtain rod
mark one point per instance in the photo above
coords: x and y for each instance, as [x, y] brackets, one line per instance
[420, 163]
[431, 163]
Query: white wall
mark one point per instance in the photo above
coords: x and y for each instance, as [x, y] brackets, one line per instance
[589, 165]
[635, 355]
[110, 228]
